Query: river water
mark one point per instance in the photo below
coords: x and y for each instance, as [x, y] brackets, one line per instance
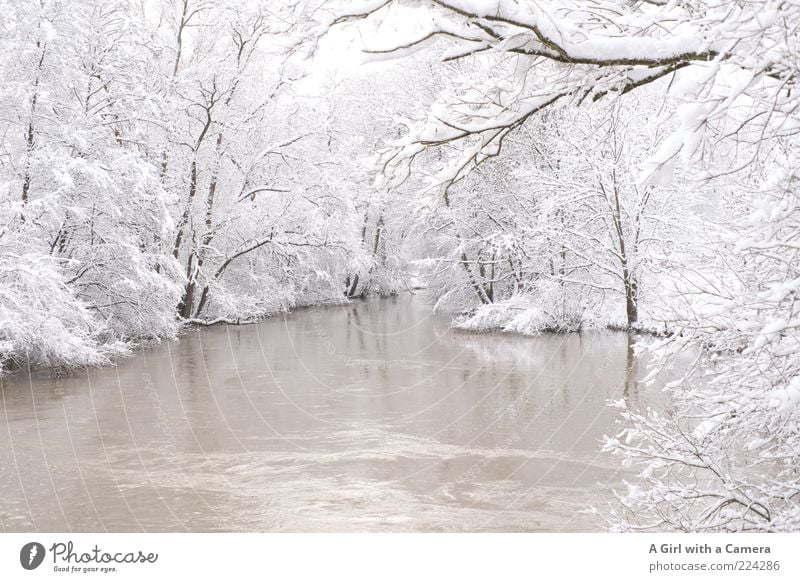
[372, 416]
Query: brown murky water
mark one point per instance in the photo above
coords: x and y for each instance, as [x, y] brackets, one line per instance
[365, 417]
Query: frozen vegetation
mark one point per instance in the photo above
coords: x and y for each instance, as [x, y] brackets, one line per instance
[536, 166]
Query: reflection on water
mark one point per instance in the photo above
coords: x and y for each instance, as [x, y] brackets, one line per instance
[368, 417]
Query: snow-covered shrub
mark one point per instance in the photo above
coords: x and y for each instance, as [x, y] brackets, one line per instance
[41, 320]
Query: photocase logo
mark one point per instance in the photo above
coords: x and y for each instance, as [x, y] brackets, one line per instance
[31, 555]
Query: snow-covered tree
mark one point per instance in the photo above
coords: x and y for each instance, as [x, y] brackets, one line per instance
[78, 199]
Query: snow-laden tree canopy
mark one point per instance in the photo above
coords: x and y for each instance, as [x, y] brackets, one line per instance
[732, 57]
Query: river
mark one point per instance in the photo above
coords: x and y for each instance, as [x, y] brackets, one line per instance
[372, 416]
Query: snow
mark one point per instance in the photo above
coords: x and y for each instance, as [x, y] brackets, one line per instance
[526, 193]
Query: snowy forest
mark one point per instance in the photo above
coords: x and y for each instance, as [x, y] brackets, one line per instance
[529, 167]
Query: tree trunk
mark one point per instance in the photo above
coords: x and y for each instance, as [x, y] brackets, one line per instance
[30, 133]
[208, 235]
[351, 292]
[628, 279]
[631, 297]
[187, 301]
[184, 219]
